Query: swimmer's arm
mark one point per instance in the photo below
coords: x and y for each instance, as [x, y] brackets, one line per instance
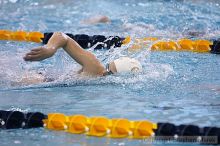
[40, 53]
[59, 40]
[85, 58]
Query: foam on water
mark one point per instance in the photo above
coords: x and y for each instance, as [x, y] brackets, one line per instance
[16, 73]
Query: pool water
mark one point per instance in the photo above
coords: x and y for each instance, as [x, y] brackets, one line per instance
[177, 87]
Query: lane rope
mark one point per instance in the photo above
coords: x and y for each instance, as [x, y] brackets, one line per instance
[111, 128]
[107, 42]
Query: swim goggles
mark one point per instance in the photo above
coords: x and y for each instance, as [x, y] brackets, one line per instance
[109, 72]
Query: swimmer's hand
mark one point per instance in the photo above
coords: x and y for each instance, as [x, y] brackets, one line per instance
[40, 53]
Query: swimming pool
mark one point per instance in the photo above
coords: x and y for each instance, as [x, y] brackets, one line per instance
[179, 87]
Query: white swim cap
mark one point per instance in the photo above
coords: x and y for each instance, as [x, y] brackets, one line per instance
[126, 64]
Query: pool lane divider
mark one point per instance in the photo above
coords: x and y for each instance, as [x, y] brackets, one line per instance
[21, 36]
[105, 127]
[107, 42]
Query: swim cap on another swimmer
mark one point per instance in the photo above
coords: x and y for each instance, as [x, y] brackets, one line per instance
[126, 64]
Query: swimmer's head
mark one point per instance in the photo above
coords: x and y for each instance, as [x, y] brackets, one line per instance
[123, 65]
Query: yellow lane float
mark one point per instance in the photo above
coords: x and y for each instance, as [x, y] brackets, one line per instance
[100, 126]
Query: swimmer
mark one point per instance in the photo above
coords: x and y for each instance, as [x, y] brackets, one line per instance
[97, 19]
[90, 64]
